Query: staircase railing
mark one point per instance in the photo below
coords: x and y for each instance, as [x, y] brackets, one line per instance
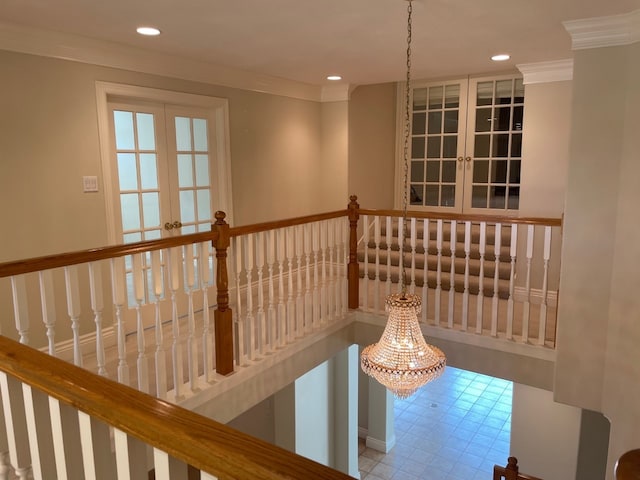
[63, 421]
[628, 466]
[510, 471]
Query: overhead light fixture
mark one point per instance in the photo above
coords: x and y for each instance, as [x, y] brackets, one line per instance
[501, 57]
[334, 78]
[402, 360]
[148, 31]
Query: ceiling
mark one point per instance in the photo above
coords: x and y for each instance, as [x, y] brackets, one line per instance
[362, 40]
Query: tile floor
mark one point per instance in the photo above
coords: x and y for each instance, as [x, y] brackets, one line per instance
[455, 428]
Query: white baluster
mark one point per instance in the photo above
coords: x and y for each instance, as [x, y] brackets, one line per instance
[496, 280]
[512, 277]
[425, 269]
[73, 310]
[339, 265]
[299, 298]
[291, 307]
[480, 299]
[95, 443]
[545, 278]
[20, 307]
[161, 466]
[250, 330]
[240, 320]
[192, 341]
[160, 360]
[344, 236]
[272, 319]
[376, 284]
[207, 476]
[465, 295]
[308, 297]
[365, 242]
[324, 304]
[452, 272]
[122, 454]
[47, 299]
[97, 305]
[204, 273]
[58, 437]
[138, 290]
[526, 311]
[388, 237]
[331, 234]
[32, 431]
[413, 242]
[261, 322]
[403, 249]
[315, 244]
[174, 259]
[282, 310]
[5, 465]
[117, 291]
[438, 270]
[16, 428]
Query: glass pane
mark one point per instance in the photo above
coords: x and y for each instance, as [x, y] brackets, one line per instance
[433, 171]
[433, 194]
[484, 119]
[514, 171]
[513, 201]
[516, 145]
[419, 98]
[499, 171]
[130, 211]
[502, 119]
[435, 122]
[127, 171]
[183, 134]
[435, 97]
[204, 204]
[451, 121]
[417, 147]
[130, 238]
[501, 145]
[200, 143]
[187, 207]
[433, 147]
[185, 170]
[206, 227]
[480, 171]
[416, 194]
[146, 132]
[123, 124]
[419, 123]
[188, 229]
[518, 91]
[151, 209]
[503, 92]
[449, 146]
[485, 93]
[148, 171]
[517, 118]
[152, 234]
[448, 196]
[497, 197]
[417, 171]
[479, 196]
[481, 147]
[452, 96]
[202, 170]
[449, 171]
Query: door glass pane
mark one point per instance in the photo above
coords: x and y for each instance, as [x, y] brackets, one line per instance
[479, 196]
[435, 97]
[480, 171]
[499, 171]
[451, 121]
[514, 171]
[435, 122]
[130, 211]
[417, 171]
[502, 116]
[448, 196]
[130, 238]
[433, 147]
[152, 234]
[148, 171]
[518, 91]
[433, 170]
[432, 196]
[419, 98]
[449, 171]
[450, 146]
[123, 125]
[151, 209]
[452, 96]
[127, 171]
[485, 93]
[183, 134]
[484, 119]
[185, 170]
[517, 118]
[202, 170]
[416, 194]
[417, 147]
[419, 123]
[187, 207]
[481, 147]
[501, 145]
[516, 145]
[497, 197]
[146, 133]
[503, 92]
[200, 143]
[204, 204]
[513, 201]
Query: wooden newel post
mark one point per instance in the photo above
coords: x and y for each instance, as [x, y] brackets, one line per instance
[353, 270]
[511, 470]
[223, 317]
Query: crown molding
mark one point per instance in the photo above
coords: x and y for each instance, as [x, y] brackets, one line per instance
[609, 31]
[545, 72]
[109, 54]
[335, 93]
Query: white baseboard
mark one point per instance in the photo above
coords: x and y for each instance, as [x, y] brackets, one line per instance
[362, 432]
[64, 349]
[380, 445]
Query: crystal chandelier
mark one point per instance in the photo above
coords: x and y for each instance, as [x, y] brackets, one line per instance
[402, 360]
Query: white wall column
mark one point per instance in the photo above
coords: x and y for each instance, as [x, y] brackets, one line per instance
[346, 411]
[381, 434]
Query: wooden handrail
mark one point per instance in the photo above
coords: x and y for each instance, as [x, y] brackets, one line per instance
[191, 438]
[552, 222]
[289, 222]
[628, 466]
[83, 256]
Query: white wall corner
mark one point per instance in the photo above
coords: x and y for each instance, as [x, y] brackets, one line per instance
[545, 72]
[380, 445]
[335, 93]
[608, 31]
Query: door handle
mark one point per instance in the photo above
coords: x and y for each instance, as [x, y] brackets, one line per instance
[460, 159]
[177, 224]
[468, 159]
[168, 226]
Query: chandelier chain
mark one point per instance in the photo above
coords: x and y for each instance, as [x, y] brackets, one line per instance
[407, 128]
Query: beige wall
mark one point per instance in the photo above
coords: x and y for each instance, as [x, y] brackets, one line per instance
[334, 156]
[599, 332]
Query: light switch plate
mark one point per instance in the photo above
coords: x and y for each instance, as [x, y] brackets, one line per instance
[90, 184]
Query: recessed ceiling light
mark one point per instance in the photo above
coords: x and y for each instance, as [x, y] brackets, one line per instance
[501, 57]
[149, 31]
[334, 78]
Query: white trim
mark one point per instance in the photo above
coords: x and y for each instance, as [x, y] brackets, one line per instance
[380, 445]
[398, 188]
[363, 432]
[64, 349]
[545, 72]
[77, 48]
[608, 31]
[335, 93]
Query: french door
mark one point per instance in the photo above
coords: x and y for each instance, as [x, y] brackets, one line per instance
[466, 143]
